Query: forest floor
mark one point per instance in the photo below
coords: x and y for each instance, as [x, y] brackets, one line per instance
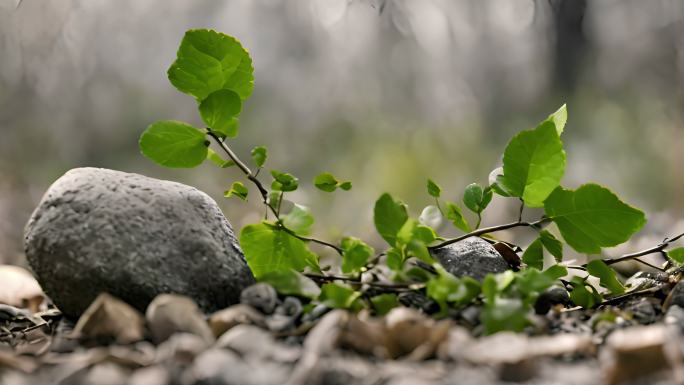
[271, 341]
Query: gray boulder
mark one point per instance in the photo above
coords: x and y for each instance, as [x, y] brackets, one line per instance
[472, 256]
[99, 230]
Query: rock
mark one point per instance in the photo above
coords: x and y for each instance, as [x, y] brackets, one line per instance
[257, 345]
[551, 297]
[472, 257]
[223, 367]
[19, 288]
[110, 319]
[676, 296]
[260, 296]
[170, 313]
[224, 320]
[635, 352]
[99, 230]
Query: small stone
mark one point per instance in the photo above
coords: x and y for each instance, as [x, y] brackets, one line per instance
[676, 296]
[257, 345]
[224, 320]
[180, 349]
[109, 318]
[151, 375]
[634, 352]
[549, 298]
[261, 296]
[171, 313]
[473, 257]
[99, 230]
[675, 316]
[19, 288]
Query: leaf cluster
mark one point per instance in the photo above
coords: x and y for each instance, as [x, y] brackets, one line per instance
[217, 72]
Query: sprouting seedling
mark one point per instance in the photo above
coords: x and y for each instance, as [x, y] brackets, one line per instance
[217, 72]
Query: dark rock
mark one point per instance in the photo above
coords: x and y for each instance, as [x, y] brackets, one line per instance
[418, 300]
[472, 257]
[551, 297]
[99, 230]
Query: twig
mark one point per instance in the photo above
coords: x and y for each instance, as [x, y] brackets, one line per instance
[356, 281]
[492, 229]
[656, 249]
[264, 193]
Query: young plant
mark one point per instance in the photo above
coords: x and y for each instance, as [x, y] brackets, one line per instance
[217, 72]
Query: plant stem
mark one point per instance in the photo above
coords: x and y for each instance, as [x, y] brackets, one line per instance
[264, 193]
[655, 249]
[492, 229]
[356, 281]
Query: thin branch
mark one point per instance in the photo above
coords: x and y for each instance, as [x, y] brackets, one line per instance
[356, 281]
[656, 249]
[264, 193]
[492, 229]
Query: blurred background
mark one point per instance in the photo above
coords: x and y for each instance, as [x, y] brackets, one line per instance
[384, 93]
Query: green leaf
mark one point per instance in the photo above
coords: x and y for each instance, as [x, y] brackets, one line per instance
[389, 216]
[533, 164]
[326, 182]
[606, 275]
[476, 198]
[551, 244]
[339, 297]
[505, 314]
[559, 118]
[274, 198]
[299, 220]
[208, 61]
[383, 303]
[676, 255]
[592, 217]
[259, 155]
[494, 186]
[581, 296]
[530, 282]
[534, 255]
[268, 248]
[174, 144]
[217, 160]
[219, 109]
[433, 188]
[291, 282]
[237, 189]
[355, 255]
[284, 181]
[446, 289]
[395, 259]
[455, 215]
[415, 238]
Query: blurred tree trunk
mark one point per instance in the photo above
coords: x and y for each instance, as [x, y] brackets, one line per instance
[571, 43]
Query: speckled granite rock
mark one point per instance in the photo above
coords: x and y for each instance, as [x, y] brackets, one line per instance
[472, 256]
[99, 230]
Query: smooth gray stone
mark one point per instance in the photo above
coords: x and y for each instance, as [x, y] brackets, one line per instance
[473, 257]
[135, 237]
